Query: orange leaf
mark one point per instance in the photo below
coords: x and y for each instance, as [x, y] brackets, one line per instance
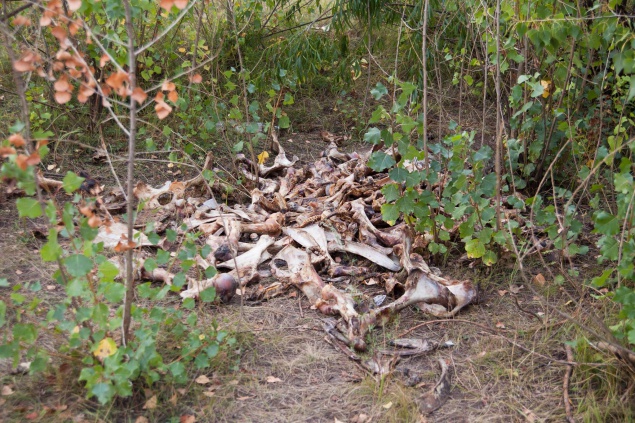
[6, 151]
[17, 140]
[103, 60]
[159, 97]
[45, 20]
[21, 161]
[94, 221]
[166, 4]
[116, 80]
[162, 109]
[168, 86]
[23, 66]
[139, 95]
[121, 247]
[187, 418]
[86, 211]
[62, 84]
[33, 159]
[21, 21]
[74, 4]
[196, 79]
[73, 27]
[173, 96]
[181, 4]
[63, 55]
[59, 33]
[62, 97]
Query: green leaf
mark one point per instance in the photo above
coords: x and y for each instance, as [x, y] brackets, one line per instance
[284, 122]
[177, 368]
[114, 292]
[103, 391]
[150, 264]
[208, 295]
[606, 223]
[4, 283]
[390, 212]
[391, 192]
[373, 136]
[170, 234]
[380, 161]
[210, 272]
[3, 313]
[28, 207]
[602, 280]
[474, 248]
[489, 258]
[71, 182]
[78, 265]
[379, 91]
[51, 251]
[108, 271]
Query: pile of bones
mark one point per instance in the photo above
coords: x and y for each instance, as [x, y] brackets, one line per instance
[302, 226]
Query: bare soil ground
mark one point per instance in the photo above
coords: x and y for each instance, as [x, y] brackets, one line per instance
[506, 362]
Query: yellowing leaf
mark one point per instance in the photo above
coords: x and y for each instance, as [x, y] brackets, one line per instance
[182, 50]
[151, 404]
[273, 379]
[106, 348]
[546, 84]
[262, 157]
[202, 379]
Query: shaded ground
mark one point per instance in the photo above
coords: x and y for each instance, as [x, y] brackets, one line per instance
[503, 363]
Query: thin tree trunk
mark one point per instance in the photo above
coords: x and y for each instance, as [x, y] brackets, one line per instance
[131, 155]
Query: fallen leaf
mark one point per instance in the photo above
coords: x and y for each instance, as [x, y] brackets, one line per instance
[273, 379]
[18, 272]
[539, 279]
[151, 404]
[387, 405]
[209, 394]
[233, 382]
[202, 379]
[243, 398]
[262, 157]
[173, 400]
[181, 391]
[187, 418]
[500, 325]
[141, 419]
[515, 289]
[6, 390]
[32, 416]
[51, 167]
[196, 79]
[502, 292]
